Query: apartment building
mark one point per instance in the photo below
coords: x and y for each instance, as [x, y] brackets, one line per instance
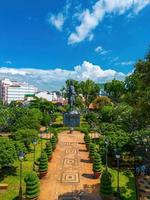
[15, 91]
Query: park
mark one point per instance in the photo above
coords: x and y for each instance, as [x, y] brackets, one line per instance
[93, 148]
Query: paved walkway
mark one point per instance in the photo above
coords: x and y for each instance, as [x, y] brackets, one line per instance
[70, 172]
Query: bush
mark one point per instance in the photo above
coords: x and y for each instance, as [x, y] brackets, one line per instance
[106, 184]
[92, 150]
[97, 164]
[87, 140]
[49, 149]
[43, 164]
[7, 152]
[32, 185]
[53, 141]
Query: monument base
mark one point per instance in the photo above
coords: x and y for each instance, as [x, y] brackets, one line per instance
[71, 119]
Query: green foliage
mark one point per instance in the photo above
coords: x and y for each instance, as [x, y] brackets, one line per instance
[53, 141]
[25, 118]
[46, 119]
[89, 90]
[99, 102]
[20, 146]
[97, 163]
[92, 118]
[25, 135]
[106, 184]
[49, 149]
[32, 185]
[87, 140]
[107, 114]
[124, 116]
[43, 164]
[114, 89]
[92, 150]
[7, 152]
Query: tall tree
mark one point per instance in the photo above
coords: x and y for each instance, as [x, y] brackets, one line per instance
[114, 89]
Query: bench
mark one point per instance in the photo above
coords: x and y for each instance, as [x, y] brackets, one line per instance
[3, 186]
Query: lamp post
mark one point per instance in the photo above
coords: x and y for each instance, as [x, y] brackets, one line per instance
[21, 157]
[106, 148]
[34, 143]
[118, 187]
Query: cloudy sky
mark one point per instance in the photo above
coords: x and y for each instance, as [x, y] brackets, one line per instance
[47, 42]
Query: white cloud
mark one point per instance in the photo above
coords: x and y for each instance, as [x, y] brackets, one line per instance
[125, 63]
[100, 50]
[89, 20]
[57, 20]
[55, 78]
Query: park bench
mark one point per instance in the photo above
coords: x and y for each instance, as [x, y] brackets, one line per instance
[3, 186]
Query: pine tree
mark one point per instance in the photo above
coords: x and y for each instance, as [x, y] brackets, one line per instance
[32, 185]
[43, 165]
[49, 150]
[106, 185]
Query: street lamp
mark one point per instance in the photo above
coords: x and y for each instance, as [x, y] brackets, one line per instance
[34, 143]
[21, 157]
[118, 187]
[106, 148]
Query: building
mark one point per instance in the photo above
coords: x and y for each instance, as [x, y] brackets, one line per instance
[54, 96]
[15, 91]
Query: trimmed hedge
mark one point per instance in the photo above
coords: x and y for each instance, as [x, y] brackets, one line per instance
[97, 164]
[53, 142]
[32, 185]
[92, 150]
[87, 140]
[106, 184]
[49, 149]
[43, 164]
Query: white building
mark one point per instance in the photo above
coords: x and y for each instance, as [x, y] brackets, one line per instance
[49, 96]
[15, 91]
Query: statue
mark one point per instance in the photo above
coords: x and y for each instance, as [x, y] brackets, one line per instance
[71, 95]
[71, 118]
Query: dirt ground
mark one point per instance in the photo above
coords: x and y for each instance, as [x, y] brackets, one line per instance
[70, 173]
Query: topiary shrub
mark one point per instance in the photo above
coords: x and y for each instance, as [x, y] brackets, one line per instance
[43, 164]
[87, 140]
[97, 165]
[92, 151]
[49, 150]
[56, 135]
[32, 186]
[53, 142]
[106, 185]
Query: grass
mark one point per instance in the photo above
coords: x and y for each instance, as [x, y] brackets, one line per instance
[11, 175]
[127, 184]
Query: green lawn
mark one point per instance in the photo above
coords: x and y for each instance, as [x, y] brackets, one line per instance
[11, 176]
[127, 184]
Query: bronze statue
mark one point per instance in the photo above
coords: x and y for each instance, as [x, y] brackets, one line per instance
[71, 95]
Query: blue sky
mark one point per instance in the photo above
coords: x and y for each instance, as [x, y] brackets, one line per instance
[46, 42]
